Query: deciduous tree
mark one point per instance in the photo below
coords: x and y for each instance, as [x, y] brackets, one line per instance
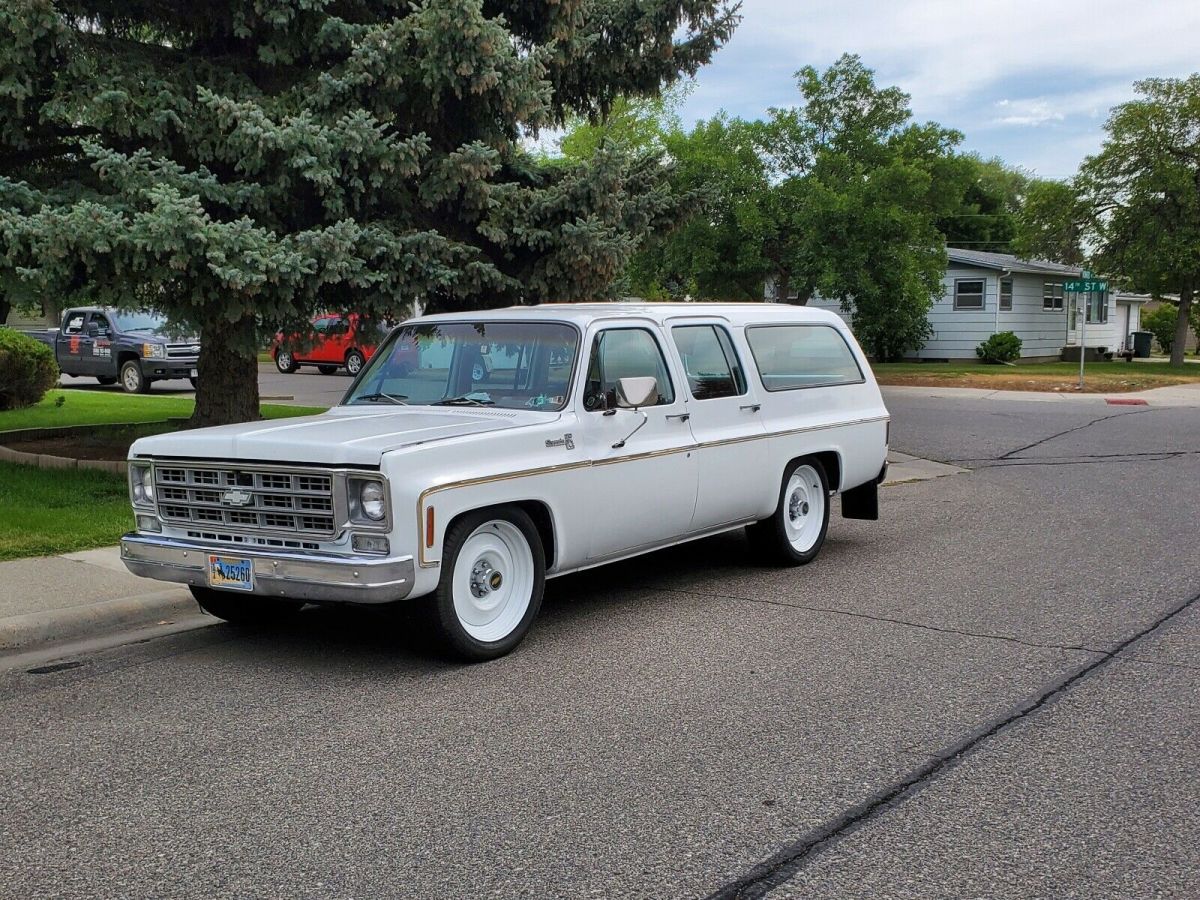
[1144, 190]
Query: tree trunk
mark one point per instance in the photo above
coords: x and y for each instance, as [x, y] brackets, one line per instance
[228, 371]
[5, 309]
[1179, 347]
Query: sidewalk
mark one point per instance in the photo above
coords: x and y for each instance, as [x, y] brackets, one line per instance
[54, 599]
[1175, 395]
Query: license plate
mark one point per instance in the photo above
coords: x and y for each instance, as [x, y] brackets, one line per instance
[230, 573]
[193, 375]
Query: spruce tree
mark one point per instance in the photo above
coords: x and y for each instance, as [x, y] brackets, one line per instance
[243, 164]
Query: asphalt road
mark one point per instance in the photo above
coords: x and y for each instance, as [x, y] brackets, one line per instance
[991, 692]
[305, 387]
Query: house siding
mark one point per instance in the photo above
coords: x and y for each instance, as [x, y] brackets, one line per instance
[957, 332]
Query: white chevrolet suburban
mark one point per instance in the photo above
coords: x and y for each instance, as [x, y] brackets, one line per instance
[480, 453]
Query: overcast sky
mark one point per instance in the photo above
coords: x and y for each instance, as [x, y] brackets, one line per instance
[1030, 82]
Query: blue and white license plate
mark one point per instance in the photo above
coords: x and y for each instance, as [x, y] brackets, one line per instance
[230, 573]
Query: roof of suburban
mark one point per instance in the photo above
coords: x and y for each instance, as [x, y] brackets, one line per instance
[659, 312]
[1008, 262]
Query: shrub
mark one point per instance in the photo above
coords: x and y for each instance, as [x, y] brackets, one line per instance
[27, 370]
[1160, 322]
[1000, 348]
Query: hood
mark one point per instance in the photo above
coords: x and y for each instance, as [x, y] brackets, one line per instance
[345, 435]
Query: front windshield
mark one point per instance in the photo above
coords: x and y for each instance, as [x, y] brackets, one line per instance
[140, 321]
[511, 365]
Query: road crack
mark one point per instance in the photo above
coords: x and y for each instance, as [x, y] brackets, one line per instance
[777, 870]
[1073, 429]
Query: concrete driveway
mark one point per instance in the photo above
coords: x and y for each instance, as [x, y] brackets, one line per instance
[991, 692]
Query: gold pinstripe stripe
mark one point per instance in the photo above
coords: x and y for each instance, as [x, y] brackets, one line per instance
[587, 464]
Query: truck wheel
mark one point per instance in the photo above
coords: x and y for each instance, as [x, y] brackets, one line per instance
[493, 576]
[106, 380]
[285, 362]
[794, 534]
[243, 609]
[132, 379]
[354, 362]
[327, 370]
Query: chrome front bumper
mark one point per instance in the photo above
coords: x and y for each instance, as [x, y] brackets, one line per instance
[299, 576]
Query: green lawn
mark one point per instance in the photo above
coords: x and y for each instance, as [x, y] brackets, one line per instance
[46, 511]
[1098, 376]
[105, 407]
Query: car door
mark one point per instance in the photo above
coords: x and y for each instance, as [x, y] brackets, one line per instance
[97, 354]
[642, 482]
[315, 349]
[727, 424]
[337, 340]
[74, 345]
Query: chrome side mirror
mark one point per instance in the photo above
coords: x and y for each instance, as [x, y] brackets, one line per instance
[633, 393]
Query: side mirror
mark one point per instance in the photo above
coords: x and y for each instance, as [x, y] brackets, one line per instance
[92, 329]
[633, 393]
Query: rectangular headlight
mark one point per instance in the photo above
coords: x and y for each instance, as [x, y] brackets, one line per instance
[368, 500]
[153, 351]
[141, 484]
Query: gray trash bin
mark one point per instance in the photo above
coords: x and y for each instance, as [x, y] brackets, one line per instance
[1141, 343]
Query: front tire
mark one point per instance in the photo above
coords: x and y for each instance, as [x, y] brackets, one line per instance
[493, 578]
[795, 533]
[243, 609]
[354, 362]
[132, 379]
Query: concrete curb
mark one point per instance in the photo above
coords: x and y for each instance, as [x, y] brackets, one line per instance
[91, 619]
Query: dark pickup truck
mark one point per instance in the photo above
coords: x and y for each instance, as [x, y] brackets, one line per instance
[113, 345]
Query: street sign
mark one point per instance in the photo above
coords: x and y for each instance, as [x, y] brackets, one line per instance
[1093, 286]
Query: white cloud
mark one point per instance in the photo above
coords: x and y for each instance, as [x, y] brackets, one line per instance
[1055, 63]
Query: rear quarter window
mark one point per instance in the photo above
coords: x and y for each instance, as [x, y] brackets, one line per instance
[790, 357]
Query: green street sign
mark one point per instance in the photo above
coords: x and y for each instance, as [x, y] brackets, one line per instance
[1092, 286]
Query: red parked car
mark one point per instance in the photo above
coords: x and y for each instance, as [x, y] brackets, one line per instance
[336, 341]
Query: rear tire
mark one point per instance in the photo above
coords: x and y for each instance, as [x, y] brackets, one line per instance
[795, 533]
[493, 578]
[132, 379]
[285, 362]
[244, 609]
[327, 370]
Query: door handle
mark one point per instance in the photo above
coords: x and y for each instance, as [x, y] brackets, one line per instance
[753, 407]
[682, 417]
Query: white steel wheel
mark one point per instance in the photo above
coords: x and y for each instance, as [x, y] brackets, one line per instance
[493, 575]
[804, 508]
[796, 531]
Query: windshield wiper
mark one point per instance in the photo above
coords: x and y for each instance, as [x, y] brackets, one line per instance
[398, 399]
[464, 400]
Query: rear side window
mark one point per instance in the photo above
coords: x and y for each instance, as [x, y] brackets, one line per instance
[709, 360]
[801, 356]
[74, 324]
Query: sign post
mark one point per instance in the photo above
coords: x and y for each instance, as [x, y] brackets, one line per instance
[1083, 289]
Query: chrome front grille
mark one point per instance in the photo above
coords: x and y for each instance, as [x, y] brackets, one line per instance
[183, 351]
[247, 499]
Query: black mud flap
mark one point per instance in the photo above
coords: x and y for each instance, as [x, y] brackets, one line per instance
[862, 502]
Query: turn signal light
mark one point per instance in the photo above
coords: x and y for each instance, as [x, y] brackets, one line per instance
[429, 526]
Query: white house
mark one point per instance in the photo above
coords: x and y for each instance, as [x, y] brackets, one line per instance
[986, 293]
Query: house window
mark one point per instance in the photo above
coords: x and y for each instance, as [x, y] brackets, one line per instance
[1097, 308]
[968, 294]
[1052, 296]
[1006, 293]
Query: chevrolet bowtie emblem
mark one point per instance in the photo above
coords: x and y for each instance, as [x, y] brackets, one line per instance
[236, 497]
